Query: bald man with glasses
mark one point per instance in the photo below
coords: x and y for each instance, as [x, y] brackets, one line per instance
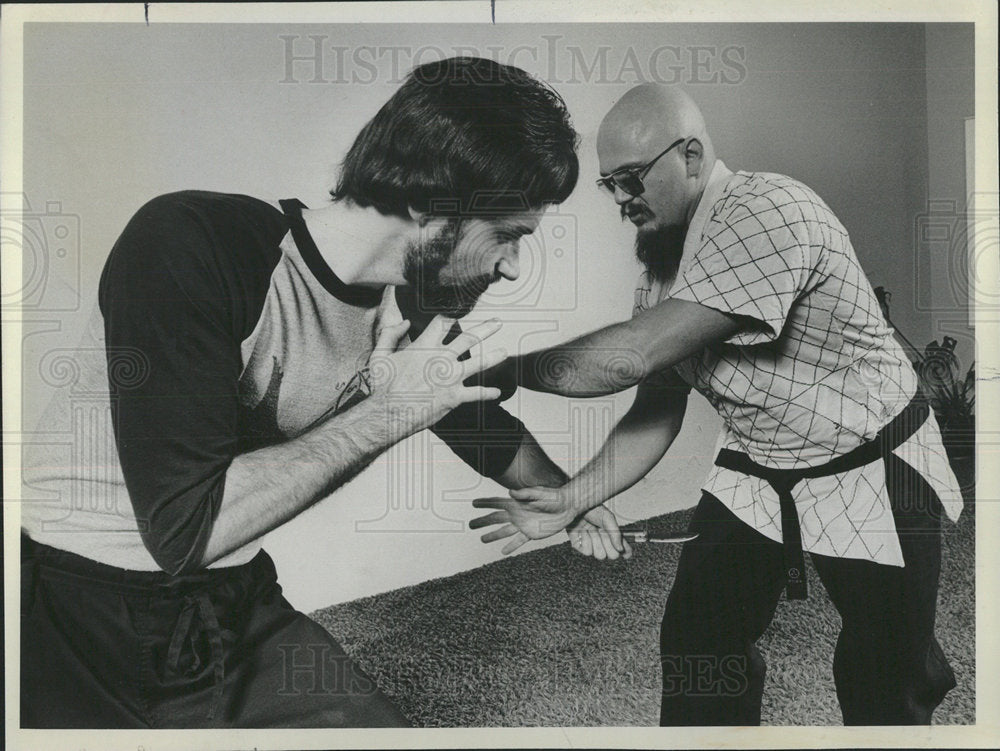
[752, 295]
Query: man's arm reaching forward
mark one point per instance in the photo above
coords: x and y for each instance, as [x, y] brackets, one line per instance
[634, 447]
[619, 356]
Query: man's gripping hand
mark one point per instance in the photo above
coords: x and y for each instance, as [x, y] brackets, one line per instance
[423, 381]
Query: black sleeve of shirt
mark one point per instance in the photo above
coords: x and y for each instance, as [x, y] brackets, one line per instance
[183, 286]
[482, 434]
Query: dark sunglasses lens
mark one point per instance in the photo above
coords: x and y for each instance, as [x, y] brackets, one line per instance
[630, 183]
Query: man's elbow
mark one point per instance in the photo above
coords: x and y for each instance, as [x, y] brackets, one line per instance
[176, 554]
[176, 534]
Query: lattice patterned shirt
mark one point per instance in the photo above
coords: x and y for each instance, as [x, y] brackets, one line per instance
[818, 374]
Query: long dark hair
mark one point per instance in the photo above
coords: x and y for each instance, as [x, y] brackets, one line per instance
[467, 136]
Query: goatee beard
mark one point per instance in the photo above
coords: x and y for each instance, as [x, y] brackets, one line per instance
[659, 251]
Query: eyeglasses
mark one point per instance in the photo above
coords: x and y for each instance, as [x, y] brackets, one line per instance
[629, 179]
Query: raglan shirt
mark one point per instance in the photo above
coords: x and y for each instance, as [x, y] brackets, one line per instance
[224, 331]
[814, 374]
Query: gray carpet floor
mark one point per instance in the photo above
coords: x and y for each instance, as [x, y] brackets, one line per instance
[549, 638]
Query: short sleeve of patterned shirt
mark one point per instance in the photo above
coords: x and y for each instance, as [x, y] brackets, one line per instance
[815, 372]
[648, 292]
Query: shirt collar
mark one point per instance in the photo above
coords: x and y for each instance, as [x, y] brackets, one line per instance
[352, 294]
[713, 191]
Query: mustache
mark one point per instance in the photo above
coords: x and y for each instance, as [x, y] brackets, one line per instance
[623, 210]
[476, 287]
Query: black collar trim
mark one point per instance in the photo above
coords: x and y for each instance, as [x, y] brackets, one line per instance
[353, 294]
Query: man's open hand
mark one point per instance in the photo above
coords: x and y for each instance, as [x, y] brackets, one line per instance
[422, 381]
[536, 513]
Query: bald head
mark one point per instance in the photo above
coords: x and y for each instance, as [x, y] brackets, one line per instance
[655, 142]
[653, 114]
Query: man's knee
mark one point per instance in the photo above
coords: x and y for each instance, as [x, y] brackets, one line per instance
[888, 684]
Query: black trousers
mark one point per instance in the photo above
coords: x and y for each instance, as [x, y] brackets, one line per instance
[103, 647]
[888, 667]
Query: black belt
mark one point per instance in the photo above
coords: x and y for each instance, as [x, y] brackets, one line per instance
[895, 432]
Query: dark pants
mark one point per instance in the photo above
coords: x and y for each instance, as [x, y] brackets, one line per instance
[888, 667]
[102, 647]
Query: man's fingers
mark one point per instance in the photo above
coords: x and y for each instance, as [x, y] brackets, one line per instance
[435, 331]
[517, 541]
[527, 494]
[597, 545]
[575, 538]
[497, 503]
[587, 543]
[589, 539]
[498, 534]
[611, 529]
[475, 365]
[476, 334]
[609, 547]
[390, 337]
[628, 549]
[497, 517]
[478, 394]
[548, 495]
[605, 519]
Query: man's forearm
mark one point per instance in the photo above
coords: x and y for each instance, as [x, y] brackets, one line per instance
[633, 448]
[265, 488]
[619, 356]
[591, 365]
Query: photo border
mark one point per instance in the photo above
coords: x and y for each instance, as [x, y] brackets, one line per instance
[985, 734]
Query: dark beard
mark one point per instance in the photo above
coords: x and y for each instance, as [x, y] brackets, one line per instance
[659, 251]
[422, 270]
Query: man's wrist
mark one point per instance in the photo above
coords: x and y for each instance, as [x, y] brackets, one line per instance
[576, 497]
[384, 419]
[570, 503]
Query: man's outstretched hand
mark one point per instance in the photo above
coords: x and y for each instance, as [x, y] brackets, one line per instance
[536, 513]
